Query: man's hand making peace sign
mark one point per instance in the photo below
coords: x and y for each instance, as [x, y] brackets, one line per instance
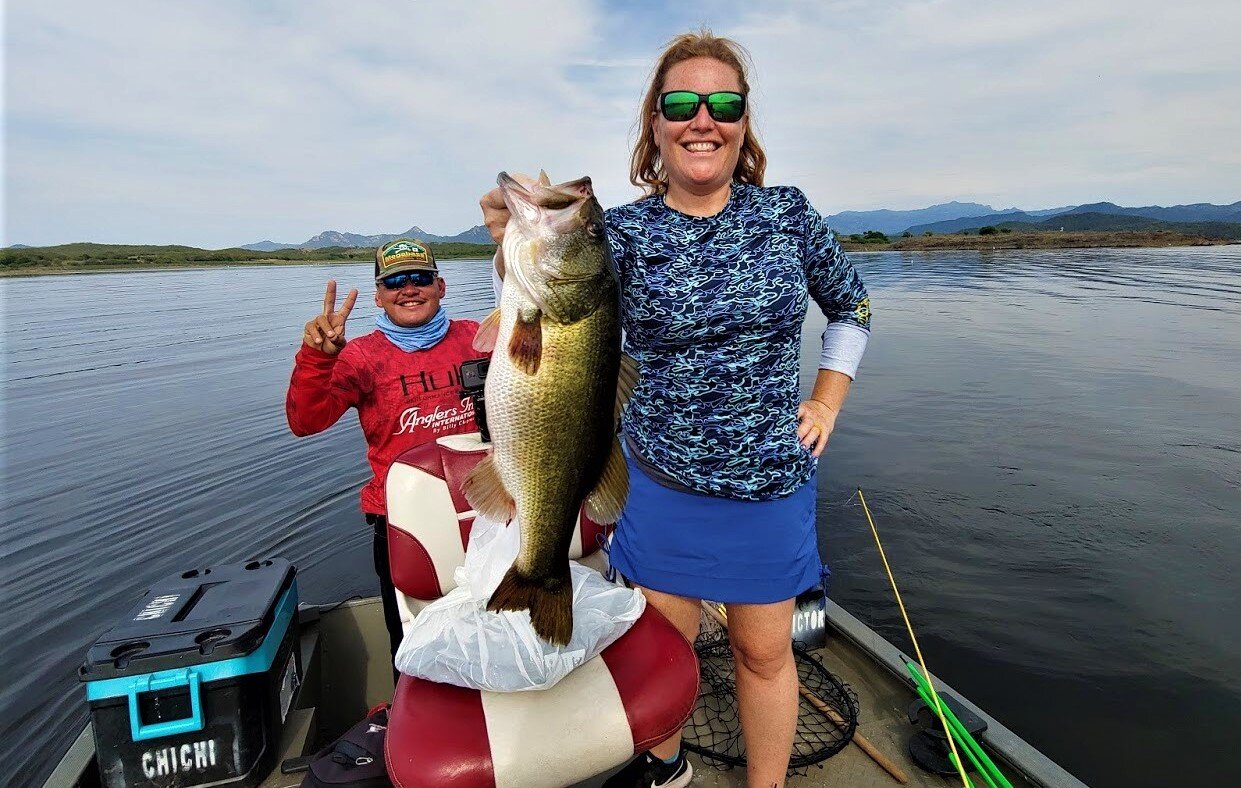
[326, 331]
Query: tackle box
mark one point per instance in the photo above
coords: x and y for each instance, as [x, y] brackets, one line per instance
[193, 686]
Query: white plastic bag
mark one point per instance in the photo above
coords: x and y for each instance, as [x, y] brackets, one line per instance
[456, 640]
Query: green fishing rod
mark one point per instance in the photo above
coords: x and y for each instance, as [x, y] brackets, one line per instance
[973, 750]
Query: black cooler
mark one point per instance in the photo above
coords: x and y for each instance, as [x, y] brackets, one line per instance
[192, 688]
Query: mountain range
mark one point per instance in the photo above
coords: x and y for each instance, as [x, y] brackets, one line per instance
[1115, 222]
[475, 235]
[1092, 216]
[949, 217]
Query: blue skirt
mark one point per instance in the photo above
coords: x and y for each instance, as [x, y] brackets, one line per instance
[703, 547]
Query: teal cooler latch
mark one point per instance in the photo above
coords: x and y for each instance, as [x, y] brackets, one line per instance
[168, 679]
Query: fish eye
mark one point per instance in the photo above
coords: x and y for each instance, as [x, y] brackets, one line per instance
[594, 228]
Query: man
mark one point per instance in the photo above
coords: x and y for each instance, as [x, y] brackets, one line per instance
[404, 379]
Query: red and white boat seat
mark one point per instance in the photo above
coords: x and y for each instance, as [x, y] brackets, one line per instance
[429, 521]
[639, 691]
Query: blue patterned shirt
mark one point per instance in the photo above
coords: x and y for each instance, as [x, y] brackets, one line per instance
[713, 309]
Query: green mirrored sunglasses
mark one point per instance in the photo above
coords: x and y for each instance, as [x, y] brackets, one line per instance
[724, 106]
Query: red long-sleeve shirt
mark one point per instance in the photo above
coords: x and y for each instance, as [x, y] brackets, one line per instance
[403, 398]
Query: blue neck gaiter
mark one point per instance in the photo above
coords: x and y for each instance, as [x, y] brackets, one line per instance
[418, 337]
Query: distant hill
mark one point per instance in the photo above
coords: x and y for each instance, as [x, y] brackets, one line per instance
[475, 235]
[1047, 211]
[1111, 222]
[885, 221]
[1196, 212]
[332, 238]
[971, 222]
[1192, 214]
[1075, 221]
[328, 238]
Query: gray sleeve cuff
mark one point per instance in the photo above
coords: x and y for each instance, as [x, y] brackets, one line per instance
[843, 347]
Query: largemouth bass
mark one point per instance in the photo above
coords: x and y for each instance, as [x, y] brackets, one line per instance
[551, 393]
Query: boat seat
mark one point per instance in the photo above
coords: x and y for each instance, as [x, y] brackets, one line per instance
[639, 691]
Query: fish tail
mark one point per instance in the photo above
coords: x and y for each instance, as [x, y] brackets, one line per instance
[549, 600]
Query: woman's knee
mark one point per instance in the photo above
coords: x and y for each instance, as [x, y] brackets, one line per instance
[764, 660]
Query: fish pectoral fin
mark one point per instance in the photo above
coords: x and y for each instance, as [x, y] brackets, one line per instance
[525, 347]
[549, 600]
[486, 493]
[605, 502]
[626, 381]
[488, 331]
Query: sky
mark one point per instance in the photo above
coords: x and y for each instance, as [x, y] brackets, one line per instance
[219, 123]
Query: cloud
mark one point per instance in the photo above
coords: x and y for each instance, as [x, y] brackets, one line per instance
[217, 123]
[900, 104]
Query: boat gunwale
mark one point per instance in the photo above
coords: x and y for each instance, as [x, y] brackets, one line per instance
[1019, 753]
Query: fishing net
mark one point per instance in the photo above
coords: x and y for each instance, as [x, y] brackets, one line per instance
[714, 730]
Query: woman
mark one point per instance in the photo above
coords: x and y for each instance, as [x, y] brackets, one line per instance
[716, 275]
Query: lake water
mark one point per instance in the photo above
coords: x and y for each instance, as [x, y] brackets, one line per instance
[1050, 443]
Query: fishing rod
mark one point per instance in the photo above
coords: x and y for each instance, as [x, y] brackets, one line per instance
[938, 705]
[973, 750]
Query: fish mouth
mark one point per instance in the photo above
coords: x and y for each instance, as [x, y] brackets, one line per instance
[546, 211]
[543, 193]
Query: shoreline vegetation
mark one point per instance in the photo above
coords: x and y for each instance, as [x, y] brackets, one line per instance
[104, 258]
[88, 257]
[1004, 238]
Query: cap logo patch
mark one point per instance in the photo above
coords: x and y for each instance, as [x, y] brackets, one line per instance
[404, 252]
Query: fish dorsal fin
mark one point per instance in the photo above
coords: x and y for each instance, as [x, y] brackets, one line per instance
[485, 492]
[525, 346]
[626, 380]
[488, 332]
[543, 179]
[605, 502]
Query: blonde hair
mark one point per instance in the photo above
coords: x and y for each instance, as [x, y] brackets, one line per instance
[645, 167]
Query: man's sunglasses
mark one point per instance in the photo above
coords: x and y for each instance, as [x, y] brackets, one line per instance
[724, 106]
[397, 281]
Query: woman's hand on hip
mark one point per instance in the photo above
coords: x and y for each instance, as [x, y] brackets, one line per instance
[326, 331]
[815, 422]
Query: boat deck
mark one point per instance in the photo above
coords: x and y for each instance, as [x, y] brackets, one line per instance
[881, 720]
[882, 702]
[347, 670]
[358, 628]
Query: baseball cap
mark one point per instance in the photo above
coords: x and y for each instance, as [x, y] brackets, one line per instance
[403, 254]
